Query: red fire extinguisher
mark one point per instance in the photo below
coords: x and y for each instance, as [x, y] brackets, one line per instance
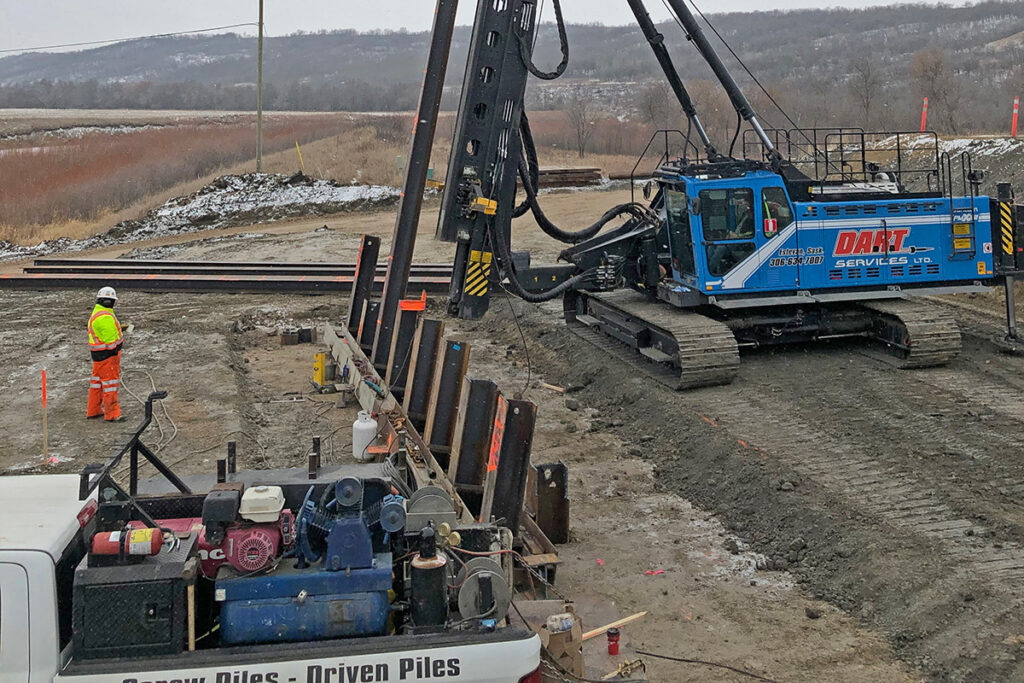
[128, 542]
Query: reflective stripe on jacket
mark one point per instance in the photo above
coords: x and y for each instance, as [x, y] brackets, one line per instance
[104, 330]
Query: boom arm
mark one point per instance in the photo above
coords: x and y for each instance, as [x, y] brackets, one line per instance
[657, 41]
[696, 34]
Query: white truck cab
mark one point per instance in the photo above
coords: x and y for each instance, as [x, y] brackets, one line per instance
[41, 544]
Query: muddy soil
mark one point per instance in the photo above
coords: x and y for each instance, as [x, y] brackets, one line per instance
[821, 483]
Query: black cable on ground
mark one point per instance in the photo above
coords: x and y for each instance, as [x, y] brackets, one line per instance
[525, 49]
[703, 662]
[526, 349]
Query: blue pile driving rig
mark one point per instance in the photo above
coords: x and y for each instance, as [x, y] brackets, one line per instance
[808, 234]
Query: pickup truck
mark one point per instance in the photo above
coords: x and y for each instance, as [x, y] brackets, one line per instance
[43, 542]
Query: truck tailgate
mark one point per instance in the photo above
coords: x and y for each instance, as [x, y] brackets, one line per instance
[505, 655]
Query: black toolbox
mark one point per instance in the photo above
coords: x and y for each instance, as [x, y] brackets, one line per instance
[135, 610]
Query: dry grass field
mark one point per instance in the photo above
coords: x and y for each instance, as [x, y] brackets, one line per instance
[77, 173]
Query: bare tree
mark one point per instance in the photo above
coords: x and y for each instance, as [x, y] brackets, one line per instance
[658, 106]
[935, 79]
[580, 113]
[866, 84]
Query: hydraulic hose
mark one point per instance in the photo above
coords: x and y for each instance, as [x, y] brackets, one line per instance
[530, 150]
[505, 256]
[552, 230]
[529, 170]
[526, 49]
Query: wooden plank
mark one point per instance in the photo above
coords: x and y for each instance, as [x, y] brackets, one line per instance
[615, 624]
[536, 534]
[546, 559]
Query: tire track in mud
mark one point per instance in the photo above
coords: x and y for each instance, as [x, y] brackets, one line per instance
[808, 433]
[882, 490]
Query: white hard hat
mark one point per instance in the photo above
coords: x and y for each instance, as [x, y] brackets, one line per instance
[107, 293]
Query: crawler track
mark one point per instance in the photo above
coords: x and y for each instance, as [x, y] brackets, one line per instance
[918, 334]
[680, 349]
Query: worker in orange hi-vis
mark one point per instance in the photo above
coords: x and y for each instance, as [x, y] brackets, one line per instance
[105, 340]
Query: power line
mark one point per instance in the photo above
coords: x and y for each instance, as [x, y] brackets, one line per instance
[121, 40]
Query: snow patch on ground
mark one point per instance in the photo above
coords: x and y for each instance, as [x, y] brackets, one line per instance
[226, 202]
[978, 147]
[982, 147]
[78, 132]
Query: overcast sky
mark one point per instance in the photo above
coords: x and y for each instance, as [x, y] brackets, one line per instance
[30, 23]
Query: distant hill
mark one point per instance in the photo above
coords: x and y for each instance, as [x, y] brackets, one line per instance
[805, 56]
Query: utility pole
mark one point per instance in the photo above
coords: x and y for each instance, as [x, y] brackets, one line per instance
[259, 95]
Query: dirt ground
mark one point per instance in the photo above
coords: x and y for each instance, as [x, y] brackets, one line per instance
[824, 517]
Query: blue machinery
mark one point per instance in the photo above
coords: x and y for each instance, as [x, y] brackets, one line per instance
[338, 583]
[808, 234]
[342, 578]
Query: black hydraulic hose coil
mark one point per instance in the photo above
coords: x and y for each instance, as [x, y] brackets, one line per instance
[525, 49]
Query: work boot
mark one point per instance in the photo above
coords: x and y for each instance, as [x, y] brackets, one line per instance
[119, 418]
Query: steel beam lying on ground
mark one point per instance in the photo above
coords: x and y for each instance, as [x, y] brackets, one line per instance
[217, 265]
[302, 284]
[198, 268]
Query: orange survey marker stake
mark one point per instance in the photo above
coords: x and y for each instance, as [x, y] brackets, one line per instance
[46, 447]
[924, 115]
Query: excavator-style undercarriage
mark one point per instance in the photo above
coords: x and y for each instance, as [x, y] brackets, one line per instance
[687, 349]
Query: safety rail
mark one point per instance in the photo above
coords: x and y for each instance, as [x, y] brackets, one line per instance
[908, 158]
[666, 156]
[803, 148]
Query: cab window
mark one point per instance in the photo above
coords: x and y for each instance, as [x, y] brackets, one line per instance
[677, 207]
[778, 214]
[727, 214]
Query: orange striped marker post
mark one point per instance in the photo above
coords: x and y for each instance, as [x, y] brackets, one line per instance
[1016, 113]
[924, 115]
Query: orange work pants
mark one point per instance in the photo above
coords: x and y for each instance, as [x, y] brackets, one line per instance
[106, 378]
